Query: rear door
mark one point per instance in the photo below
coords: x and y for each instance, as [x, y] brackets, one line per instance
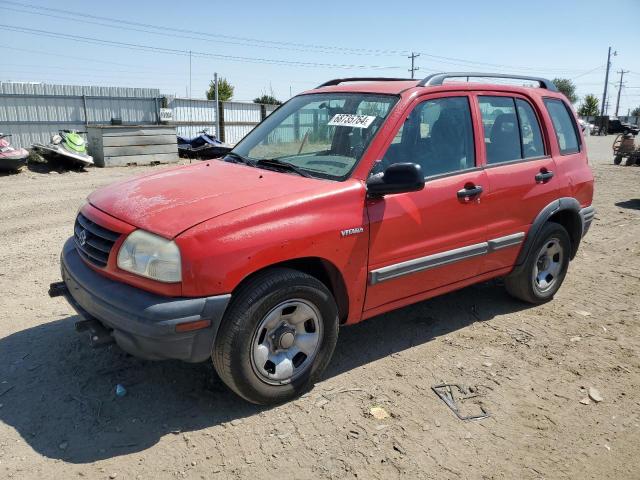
[520, 172]
[423, 240]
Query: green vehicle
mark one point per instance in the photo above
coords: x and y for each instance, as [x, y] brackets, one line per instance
[67, 146]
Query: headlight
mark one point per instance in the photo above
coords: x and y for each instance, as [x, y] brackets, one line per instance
[151, 256]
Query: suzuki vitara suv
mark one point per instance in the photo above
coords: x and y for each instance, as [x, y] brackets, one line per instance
[350, 200]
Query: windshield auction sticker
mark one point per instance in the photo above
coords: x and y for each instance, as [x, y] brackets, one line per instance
[355, 121]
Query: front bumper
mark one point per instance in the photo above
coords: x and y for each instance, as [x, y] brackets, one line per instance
[142, 323]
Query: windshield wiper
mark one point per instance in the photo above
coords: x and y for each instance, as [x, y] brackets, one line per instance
[274, 162]
[237, 158]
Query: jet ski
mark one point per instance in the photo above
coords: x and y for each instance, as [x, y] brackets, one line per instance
[68, 147]
[11, 158]
[202, 147]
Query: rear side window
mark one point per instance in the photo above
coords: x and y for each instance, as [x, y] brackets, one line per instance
[501, 131]
[532, 145]
[511, 129]
[564, 126]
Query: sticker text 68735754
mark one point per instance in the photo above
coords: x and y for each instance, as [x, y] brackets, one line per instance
[348, 120]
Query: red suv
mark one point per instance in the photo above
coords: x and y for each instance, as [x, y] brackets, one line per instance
[358, 197]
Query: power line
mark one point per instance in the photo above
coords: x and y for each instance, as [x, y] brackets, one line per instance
[136, 68]
[588, 72]
[174, 34]
[55, 12]
[73, 57]
[173, 51]
[254, 42]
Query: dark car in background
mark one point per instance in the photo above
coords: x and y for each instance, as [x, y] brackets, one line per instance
[617, 126]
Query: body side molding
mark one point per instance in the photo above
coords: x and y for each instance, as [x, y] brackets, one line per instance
[507, 241]
[443, 258]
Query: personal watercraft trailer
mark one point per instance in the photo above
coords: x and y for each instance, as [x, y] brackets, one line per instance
[67, 147]
[11, 158]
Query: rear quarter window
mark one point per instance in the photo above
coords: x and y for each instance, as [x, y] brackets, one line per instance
[564, 126]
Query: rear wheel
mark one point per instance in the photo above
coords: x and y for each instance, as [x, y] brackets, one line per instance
[544, 269]
[277, 337]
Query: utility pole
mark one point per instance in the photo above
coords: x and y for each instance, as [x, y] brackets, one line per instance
[413, 68]
[215, 81]
[190, 74]
[606, 82]
[621, 72]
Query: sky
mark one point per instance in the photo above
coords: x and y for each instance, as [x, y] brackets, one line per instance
[288, 47]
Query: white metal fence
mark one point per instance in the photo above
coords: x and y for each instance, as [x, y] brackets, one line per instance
[191, 116]
[31, 113]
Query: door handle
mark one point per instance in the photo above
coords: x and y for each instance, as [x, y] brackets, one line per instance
[469, 191]
[544, 176]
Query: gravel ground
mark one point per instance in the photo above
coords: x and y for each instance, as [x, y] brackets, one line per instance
[531, 367]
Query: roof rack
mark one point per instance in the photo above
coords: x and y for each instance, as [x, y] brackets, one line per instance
[438, 78]
[337, 81]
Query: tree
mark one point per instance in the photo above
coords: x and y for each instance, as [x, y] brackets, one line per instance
[635, 112]
[589, 106]
[225, 90]
[267, 99]
[567, 87]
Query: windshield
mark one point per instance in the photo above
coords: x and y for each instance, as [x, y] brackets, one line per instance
[324, 135]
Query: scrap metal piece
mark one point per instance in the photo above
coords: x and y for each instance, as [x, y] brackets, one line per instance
[445, 393]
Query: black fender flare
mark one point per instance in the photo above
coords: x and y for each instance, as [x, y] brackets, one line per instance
[561, 204]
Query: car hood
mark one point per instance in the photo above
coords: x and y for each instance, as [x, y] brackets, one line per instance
[171, 201]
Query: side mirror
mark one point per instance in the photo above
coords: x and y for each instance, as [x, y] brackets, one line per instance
[397, 178]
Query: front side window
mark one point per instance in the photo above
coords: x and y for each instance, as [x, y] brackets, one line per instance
[564, 126]
[437, 135]
[325, 135]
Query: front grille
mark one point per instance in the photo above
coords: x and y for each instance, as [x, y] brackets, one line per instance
[94, 243]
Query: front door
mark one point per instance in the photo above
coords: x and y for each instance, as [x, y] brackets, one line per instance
[423, 240]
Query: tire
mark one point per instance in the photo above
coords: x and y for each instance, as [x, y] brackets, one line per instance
[266, 315]
[630, 161]
[617, 159]
[530, 284]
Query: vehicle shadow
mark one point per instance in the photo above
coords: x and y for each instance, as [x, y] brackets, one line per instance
[59, 394]
[633, 204]
[9, 173]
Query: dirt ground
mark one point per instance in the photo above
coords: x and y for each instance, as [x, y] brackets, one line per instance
[530, 366]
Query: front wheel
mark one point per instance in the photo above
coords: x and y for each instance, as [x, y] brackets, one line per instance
[545, 267]
[277, 337]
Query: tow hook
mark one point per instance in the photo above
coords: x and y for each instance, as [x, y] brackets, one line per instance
[57, 289]
[99, 336]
